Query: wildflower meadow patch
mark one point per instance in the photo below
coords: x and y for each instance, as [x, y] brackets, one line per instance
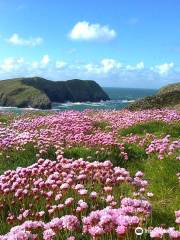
[90, 175]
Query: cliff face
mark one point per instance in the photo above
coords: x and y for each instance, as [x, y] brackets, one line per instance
[168, 96]
[40, 93]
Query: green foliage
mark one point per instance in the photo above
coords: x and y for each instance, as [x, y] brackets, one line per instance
[12, 158]
[94, 154]
[136, 155]
[6, 118]
[156, 127]
[102, 125]
[164, 184]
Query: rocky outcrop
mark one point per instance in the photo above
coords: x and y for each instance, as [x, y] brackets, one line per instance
[166, 97]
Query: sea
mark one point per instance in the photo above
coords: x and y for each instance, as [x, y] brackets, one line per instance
[120, 98]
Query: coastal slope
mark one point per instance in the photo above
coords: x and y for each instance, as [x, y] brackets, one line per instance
[166, 97]
[40, 93]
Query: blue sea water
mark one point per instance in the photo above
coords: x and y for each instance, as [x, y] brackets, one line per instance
[120, 98]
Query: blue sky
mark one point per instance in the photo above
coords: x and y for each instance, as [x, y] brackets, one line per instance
[123, 43]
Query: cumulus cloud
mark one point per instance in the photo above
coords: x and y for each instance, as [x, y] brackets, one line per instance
[163, 69]
[35, 64]
[43, 63]
[105, 66]
[138, 66]
[109, 64]
[108, 71]
[45, 59]
[15, 39]
[10, 64]
[89, 32]
[60, 64]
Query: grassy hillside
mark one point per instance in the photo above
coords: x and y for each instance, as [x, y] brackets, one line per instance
[15, 93]
[170, 99]
[169, 88]
[40, 93]
[168, 96]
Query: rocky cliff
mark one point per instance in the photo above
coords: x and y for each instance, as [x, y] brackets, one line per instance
[38, 92]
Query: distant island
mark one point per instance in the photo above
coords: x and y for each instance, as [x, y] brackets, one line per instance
[166, 97]
[37, 92]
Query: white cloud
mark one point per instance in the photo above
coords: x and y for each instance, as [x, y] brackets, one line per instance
[60, 64]
[43, 63]
[88, 32]
[105, 66]
[34, 64]
[15, 39]
[110, 64]
[163, 69]
[45, 60]
[138, 66]
[89, 67]
[10, 64]
[108, 71]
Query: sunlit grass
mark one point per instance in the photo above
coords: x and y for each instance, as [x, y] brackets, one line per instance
[158, 128]
[12, 158]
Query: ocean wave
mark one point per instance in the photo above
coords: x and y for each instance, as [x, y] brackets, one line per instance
[110, 104]
[127, 101]
[1, 107]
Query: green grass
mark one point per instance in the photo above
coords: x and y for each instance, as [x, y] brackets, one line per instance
[5, 118]
[102, 125]
[134, 151]
[12, 158]
[164, 184]
[161, 175]
[156, 127]
[93, 154]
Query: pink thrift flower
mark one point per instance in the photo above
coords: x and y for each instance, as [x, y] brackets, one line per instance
[48, 234]
[121, 230]
[177, 213]
[71, 238]
[157, 232]
[96, 231]
[70, 222]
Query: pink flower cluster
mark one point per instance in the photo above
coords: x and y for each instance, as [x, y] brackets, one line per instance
[63, 187]
[107, 221]
[71, 199]
[71, 128]
[30, 229]
[163, 146]
[159, 232]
